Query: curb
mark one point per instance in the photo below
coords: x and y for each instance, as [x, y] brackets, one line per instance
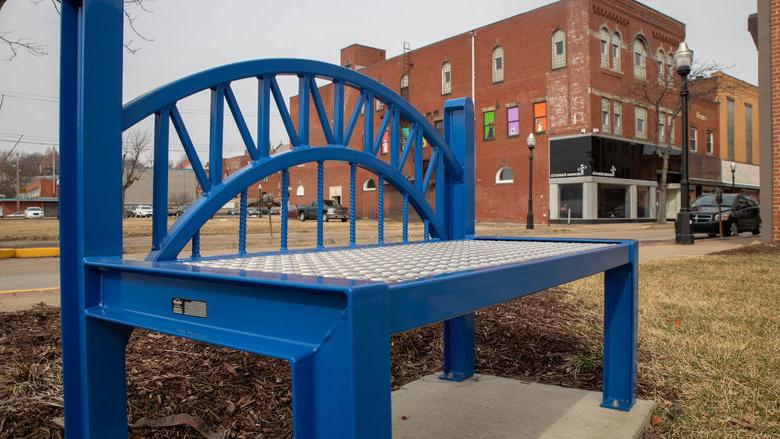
[41, 252]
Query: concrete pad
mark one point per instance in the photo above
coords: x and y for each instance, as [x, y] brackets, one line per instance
[492, 407]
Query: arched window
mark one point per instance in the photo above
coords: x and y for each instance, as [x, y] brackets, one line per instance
[405, 86]
[558, 49]
[660, 64]
[498, 64]
[604, 47]
[640, 53]
[504, 175]
[369, 185]
[670, 68]
[617, 45]
[446, 78]
[299, 191]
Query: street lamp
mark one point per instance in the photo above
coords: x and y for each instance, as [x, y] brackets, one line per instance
[733, 176]
[531, 141]
[683, 59]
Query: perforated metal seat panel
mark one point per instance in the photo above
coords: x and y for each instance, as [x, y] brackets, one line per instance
[399, 263]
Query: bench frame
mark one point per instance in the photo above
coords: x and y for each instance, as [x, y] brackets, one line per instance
[334, 332]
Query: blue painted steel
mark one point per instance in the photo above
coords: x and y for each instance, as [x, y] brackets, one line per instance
[263, 116]
[304, 87]
[353, 118]
[352, 178]
[320, 177]
[405, 219]
[338, 112]
[160, 178]
[284, 210]
[368, 122]
[242, 223]
[395, 137]
[620, 329]
[196, 245]
[377, 142]
[215, 136]
[426, 229]
[380, 210]
[458, 348]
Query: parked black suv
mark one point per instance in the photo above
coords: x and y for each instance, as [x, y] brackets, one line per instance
[739, 213]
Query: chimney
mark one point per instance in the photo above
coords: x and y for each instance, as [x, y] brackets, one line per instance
[357, 56]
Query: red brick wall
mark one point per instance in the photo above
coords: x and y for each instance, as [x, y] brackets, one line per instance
[774, 24]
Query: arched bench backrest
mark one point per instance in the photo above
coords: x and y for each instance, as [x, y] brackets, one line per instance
[451, 218]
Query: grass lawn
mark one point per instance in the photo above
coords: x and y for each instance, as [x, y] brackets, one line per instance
[709, 342]
[709, 355]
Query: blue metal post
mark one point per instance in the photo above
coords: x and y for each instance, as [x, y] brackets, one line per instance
[455, 205]
[215, 134]
[380, 210]
[320, 177]
[196, 244]
[90, 139]
[352, 178]
[242, 224]
[160, 178]
[405, 219]
[343, 389]
[620, 329]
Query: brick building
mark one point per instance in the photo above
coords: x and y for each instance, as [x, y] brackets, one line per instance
[570, 72]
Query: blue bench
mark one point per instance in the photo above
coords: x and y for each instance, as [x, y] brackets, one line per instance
[330, 312]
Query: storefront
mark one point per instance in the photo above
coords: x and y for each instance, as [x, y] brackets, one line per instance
[603, 179]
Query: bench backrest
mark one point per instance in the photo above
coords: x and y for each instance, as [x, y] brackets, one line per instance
[450, 160]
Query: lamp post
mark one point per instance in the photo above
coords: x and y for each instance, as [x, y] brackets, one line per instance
[531, 141]
[733, 176]
[683, 59]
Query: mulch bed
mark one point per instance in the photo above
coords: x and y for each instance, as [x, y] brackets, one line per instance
[183, 389]
[758, 249]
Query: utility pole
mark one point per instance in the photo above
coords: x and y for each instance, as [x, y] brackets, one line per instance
[53, 169]
[18, 186]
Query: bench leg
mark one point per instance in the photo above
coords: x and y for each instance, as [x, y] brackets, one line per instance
[459, 348]
[343, 389]
[620, 329]
[104, 402]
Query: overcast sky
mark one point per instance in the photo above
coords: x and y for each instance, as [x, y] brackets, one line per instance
[191, 35]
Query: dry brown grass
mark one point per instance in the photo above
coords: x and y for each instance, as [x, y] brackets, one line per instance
[709, 329]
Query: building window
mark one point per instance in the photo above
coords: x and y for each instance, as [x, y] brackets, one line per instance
[513, 121]
[670, 69]
[639, 59]
[710, 142]
[749, 133]
[498, 64]
[446, 78]
[694, 139]
[380, 105]
[570, 201]
[604, 47]
[670, 122]
[730, 128]
[640, 115]
[558, 49]
[605, 115]
[617, 115]
[369, 185]
[617, 43]
[660, 63]
[405, 86]
[438, 125]
[299, 191]
[504, 176]
[489, 125]
[612, 201]
[661, 128]
[540, 117]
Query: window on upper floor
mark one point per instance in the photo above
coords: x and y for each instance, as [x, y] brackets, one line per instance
[513, 121]
[694, 139]
[640, 125]
[640, 53]
[671, 72]
[558, 49]
[540, 117]
[748, 133]
[661, 128]
[660, 65]
[405, 86]
[498, 64]
[504, 175]
[617, 44]
[670, 122]
[446, 78]
[605, 119]
[710, 142]
[604, 47]
[299, 191]
[369, 185]
[617, 115]
[489, 125]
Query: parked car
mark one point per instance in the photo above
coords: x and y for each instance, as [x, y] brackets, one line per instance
[16, 215]
[143, 211]
[1, 213]
[33, 213]
[330, 210]
[739, 213]
[251, 212]
[129, 212]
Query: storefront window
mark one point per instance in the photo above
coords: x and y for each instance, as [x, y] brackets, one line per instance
[613, 201]
[570, 201]
[643, 202]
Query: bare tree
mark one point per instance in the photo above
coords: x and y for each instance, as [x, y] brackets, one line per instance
[16, 43]
[135, 144]
[660, 94]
